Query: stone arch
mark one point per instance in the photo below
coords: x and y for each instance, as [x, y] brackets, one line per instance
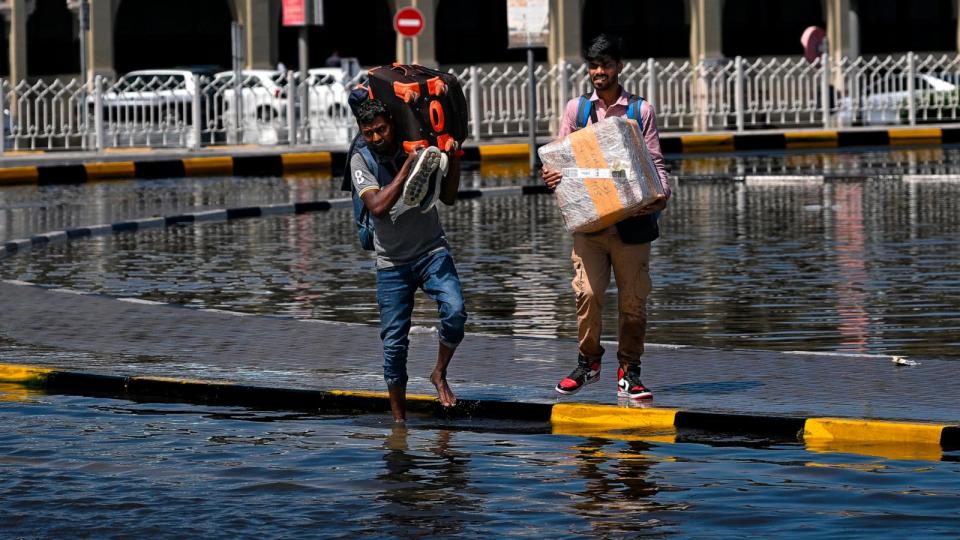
[649, 28]
[358, 28]
[890, 26]
[764, 28]
[53, 46]
[184, 32]
[474, 33]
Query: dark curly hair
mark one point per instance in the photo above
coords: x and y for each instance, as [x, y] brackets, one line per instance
[369, 110]
[604, 45]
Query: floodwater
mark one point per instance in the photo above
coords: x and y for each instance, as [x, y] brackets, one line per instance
[103, 468]
[865, 265]
[860, 264]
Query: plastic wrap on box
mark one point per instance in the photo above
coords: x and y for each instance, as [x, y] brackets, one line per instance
[607, 174]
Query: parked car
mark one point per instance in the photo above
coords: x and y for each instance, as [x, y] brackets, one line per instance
[330, 117]
[155, 106]
[887, 102]
[262, 106]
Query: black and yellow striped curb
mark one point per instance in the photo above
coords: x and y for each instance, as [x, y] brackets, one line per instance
[671, 143]
[900, 440]
[255, 165]
[20, 245]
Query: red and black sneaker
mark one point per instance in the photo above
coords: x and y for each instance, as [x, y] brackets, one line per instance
[585, 373]
[629, 385]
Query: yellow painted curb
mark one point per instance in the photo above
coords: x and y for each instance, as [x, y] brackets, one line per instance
[863, 431]
[707, 143]
[128, 150]
[608, 417]
[811, 139]
[902, 450]
[915, 135]
[15, 373]
[380, 395]
[106, 170]
[504, 151]
[306, 161]
[19, 175]
[206, 166]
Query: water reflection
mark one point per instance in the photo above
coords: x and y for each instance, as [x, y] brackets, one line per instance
[865, 267]
[422, 489]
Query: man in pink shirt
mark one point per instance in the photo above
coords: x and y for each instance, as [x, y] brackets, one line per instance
[625, 246]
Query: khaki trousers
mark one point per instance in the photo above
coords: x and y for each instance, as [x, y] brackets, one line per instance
[593, 256]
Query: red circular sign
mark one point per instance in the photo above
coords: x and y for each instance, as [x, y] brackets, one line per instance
[408, 22]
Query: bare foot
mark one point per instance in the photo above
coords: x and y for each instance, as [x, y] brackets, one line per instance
[439, 379]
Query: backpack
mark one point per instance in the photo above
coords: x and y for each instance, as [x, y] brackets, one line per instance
[586, 110]
[361, 214]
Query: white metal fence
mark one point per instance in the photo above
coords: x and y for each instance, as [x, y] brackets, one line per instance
[267, 108]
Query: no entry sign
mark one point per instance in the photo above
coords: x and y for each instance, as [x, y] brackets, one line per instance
[408, 22]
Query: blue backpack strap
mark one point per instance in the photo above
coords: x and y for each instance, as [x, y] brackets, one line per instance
[584, 110]
[635, 103]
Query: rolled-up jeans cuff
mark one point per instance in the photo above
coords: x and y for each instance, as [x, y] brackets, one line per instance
[447, 344]
[396, 381]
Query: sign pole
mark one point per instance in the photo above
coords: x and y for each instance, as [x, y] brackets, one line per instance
[533, 113]
[408, 51]
[408, 22]
[84, 28]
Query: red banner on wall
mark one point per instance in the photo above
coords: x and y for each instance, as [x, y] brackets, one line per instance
[294, 13]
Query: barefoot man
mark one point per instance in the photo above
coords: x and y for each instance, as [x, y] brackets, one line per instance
[412, 252]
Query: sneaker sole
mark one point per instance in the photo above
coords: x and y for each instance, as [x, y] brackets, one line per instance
[579, 388]
[642, 395]
[415, 187]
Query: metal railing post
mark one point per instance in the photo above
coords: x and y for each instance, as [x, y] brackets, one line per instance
[291, 108]
[652, 82]
[911, 89]
[825, 89]
[738, 91]
[196, 113]
[98, 112]
[475, 101]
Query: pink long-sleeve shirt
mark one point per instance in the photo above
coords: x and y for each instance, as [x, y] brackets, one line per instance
[651, 135]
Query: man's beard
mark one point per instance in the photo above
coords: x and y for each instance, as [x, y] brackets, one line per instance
[601, 83]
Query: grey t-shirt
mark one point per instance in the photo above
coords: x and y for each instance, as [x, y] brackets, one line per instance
[412, 235]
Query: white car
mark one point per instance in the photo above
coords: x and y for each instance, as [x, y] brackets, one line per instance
[263, 111]
[886, 102]
[154, 106]
[331, 120]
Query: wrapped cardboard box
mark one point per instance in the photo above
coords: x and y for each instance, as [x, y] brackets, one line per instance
[607, 174]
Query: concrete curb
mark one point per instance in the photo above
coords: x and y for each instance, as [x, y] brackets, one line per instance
[912, 440]
[787, 140]
[245, 165]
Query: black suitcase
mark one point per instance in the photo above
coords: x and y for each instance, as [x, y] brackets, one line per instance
[428, 106]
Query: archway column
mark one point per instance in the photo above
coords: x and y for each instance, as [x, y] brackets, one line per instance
[15, 13]
[843, 30]
[262, 34]
[424, 45]
[100, 40]
[566, 23]
[706, 29]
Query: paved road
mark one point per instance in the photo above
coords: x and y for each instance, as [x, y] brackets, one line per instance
[107, 335]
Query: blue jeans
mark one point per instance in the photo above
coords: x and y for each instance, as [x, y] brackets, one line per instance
[436, 274]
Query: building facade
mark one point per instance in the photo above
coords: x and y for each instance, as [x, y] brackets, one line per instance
[40, 38]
